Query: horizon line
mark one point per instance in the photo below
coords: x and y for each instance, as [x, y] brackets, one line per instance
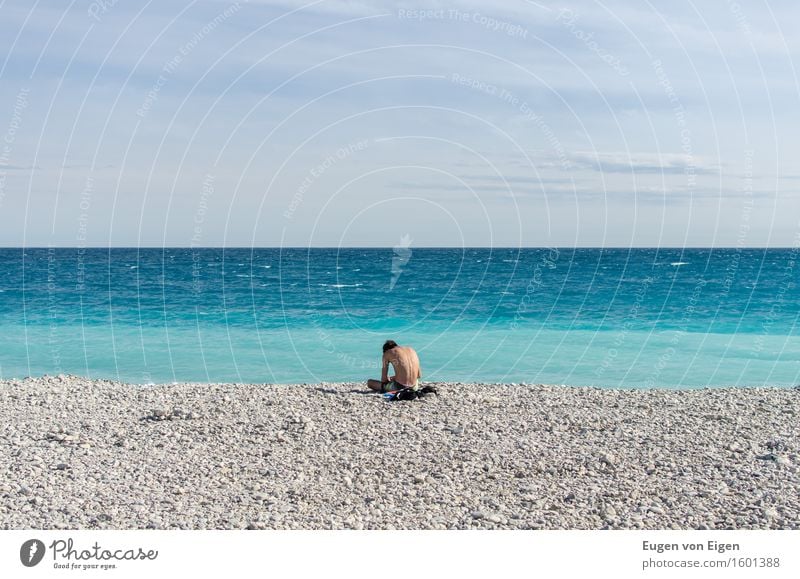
[254, 247]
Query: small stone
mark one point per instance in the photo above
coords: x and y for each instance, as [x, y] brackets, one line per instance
[776, 458]
[419, 479]
[478, 515]
[608, 458]
[61, 466]
[656, 510]
[771, 513]
[777, 445]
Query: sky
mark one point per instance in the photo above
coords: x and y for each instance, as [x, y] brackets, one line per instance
[355, 123]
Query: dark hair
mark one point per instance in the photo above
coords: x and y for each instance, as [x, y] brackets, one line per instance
[388, 345]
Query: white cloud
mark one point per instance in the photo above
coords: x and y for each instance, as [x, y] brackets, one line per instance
[621, 162]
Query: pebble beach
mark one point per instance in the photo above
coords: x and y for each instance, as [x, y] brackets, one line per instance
[97, 454]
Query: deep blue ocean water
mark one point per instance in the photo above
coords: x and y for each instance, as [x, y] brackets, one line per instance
[606, 317]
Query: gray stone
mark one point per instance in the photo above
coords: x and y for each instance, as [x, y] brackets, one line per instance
[608, 458]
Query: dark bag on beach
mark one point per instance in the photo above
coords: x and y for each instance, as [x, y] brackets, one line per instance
[411, 394]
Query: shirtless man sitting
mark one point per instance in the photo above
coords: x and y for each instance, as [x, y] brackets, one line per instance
[407, 371]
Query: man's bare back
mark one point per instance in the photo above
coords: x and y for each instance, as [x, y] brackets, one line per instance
[404, 361]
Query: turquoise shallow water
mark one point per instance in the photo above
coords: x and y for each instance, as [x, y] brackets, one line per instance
[632, 318]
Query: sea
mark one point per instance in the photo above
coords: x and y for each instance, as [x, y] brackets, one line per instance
[631, 318]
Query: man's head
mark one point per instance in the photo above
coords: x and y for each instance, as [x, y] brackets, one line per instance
[388, 345]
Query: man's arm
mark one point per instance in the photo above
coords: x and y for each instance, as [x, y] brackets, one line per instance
[385, 370]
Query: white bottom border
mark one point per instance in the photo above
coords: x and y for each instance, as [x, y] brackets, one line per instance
[389, 554]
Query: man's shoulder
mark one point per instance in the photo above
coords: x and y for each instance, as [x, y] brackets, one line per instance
[407, 349]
